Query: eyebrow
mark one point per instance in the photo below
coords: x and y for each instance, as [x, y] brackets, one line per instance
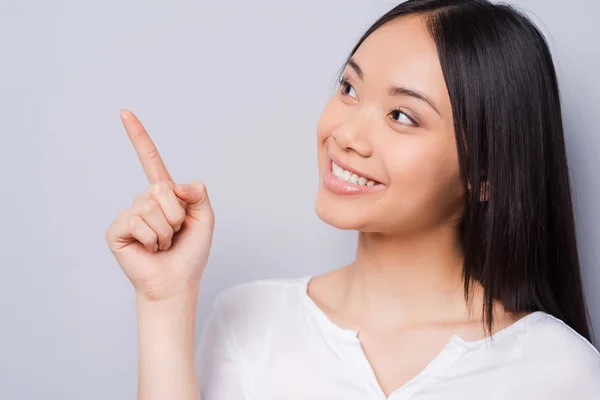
[396, 90]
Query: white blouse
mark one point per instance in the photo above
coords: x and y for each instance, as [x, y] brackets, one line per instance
[268, 340]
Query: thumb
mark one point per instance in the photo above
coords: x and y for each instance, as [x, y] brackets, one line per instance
[195, 195]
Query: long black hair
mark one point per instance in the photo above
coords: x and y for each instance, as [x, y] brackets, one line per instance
[520, 243]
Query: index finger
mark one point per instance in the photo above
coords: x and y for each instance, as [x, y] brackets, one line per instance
[147, 153]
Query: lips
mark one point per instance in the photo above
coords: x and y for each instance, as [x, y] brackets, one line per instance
[345, 185]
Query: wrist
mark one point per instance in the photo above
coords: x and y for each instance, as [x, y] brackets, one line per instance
[185, 302]
[163, 295]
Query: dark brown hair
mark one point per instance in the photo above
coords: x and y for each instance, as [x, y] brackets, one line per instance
[520, 243]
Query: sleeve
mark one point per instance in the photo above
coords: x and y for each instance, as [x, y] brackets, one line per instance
[220, 363]
[583, 383]
[571, 372]
[580, 384]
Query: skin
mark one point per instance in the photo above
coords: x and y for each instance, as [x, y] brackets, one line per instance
[404, 291]
[162, 243]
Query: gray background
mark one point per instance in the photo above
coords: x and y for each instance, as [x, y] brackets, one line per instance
[231, 92]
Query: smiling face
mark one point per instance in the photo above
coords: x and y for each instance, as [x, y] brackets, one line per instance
[390, 121]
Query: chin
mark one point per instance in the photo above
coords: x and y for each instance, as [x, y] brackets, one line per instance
[334, 212]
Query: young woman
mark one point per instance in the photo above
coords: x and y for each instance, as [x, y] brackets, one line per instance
[444, 149]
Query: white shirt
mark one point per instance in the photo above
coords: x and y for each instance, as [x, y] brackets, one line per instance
[268, 340]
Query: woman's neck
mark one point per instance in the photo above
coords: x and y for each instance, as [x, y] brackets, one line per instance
[400, 279]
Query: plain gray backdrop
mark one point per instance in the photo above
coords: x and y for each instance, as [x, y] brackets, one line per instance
[231, 92]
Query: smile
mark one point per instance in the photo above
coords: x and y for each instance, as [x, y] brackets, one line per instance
[345, 182]
[347, 176]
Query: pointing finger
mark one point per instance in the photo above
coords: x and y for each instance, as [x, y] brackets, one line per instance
[147, 152]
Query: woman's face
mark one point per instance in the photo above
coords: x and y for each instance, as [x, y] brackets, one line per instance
[390, 121]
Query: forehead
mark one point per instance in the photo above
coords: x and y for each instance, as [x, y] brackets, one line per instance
[403, 53]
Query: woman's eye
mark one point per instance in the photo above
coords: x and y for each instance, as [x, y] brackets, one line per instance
[398, 115]
[347, 89]
[402, 117]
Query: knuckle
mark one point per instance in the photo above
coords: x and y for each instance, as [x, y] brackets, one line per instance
[154, 189]
[149, 206]
[165, 236]
[152, 154]
[160, 188]
[180, 219]
[153, 236]
[166, 186]
[179, 216]
[134, 222]
[200, 186]
[146, 237]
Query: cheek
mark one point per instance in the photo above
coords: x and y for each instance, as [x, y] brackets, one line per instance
[422, 170]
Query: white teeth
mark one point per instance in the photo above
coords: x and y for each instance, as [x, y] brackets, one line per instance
[347, 176]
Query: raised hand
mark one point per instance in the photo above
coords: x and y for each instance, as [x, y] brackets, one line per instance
[163, 240]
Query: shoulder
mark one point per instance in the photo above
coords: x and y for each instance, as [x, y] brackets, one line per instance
[254, 305]
[260, 293]
[549, 338]
[568, 362]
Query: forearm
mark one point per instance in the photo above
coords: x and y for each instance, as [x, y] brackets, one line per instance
[166, 362]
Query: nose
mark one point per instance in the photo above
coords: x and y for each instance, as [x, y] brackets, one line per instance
[354, 133]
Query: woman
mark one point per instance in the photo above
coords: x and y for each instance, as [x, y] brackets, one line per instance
[444, 149]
